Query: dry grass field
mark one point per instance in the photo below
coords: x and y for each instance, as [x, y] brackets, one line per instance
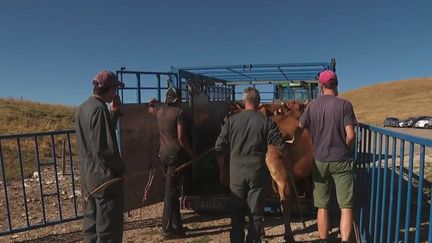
[401, 99]
[22, 116]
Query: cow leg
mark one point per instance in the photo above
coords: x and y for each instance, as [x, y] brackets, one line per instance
[284, 193]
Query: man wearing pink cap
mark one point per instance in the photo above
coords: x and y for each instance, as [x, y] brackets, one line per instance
[331, 122]
[100, 160]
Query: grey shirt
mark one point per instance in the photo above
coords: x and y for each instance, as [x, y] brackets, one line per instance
[97, 144]
[245, 136]
[326, 117]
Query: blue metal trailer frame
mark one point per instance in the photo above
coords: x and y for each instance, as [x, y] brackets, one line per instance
[219, 84]
[273, 76]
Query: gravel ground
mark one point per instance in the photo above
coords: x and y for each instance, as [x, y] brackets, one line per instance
[144, 225]
[141, 225]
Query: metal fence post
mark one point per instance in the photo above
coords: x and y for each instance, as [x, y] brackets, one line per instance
[63, 157]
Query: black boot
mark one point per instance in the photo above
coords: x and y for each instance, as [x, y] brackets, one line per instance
[289, 238]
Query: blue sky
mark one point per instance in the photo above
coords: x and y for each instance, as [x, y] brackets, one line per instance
[50, 50]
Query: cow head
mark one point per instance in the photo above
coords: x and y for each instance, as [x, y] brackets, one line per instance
[294, 108]
[287, 124]
[273, 109]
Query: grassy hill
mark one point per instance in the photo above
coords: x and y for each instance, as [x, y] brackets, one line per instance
[401, 99]
[22, 116]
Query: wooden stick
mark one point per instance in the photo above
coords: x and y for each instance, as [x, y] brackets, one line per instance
[190, 162]
[110, 182]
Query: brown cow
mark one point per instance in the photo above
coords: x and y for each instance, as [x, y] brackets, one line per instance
[294, 163]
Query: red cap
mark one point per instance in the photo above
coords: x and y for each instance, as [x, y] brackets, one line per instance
[107, 78]
[328, 77]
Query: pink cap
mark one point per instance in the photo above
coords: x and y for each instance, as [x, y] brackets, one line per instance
[107, 78]
[328, 77]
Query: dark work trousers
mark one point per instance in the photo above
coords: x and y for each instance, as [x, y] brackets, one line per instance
[248, 198]
[171, 218]
[103, 215]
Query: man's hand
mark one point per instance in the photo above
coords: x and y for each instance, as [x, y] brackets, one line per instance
[115, 105]
[223, 178]
[193, 156]
[152, 106]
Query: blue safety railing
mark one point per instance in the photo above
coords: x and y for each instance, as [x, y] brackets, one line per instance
[38, 184]
[393, 188]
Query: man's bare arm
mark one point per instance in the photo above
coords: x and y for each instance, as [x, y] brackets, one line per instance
[350, 135]
[183, 140]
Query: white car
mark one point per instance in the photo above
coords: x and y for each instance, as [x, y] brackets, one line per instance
[424, 123]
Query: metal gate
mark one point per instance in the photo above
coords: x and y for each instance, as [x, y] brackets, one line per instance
[38, 184]
[393, 189]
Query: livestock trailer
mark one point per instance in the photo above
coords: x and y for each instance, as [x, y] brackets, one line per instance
[205, 94]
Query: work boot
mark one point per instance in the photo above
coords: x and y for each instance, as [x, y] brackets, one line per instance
[172, 234]
[289, 238]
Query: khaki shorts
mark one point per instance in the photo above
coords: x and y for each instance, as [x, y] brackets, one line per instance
[342, 173]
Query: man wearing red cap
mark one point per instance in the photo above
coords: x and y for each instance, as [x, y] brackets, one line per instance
[100, 160]
[331, 122]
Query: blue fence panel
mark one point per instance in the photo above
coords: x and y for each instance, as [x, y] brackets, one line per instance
[34, 193]
[141, 86]
[393, 198]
